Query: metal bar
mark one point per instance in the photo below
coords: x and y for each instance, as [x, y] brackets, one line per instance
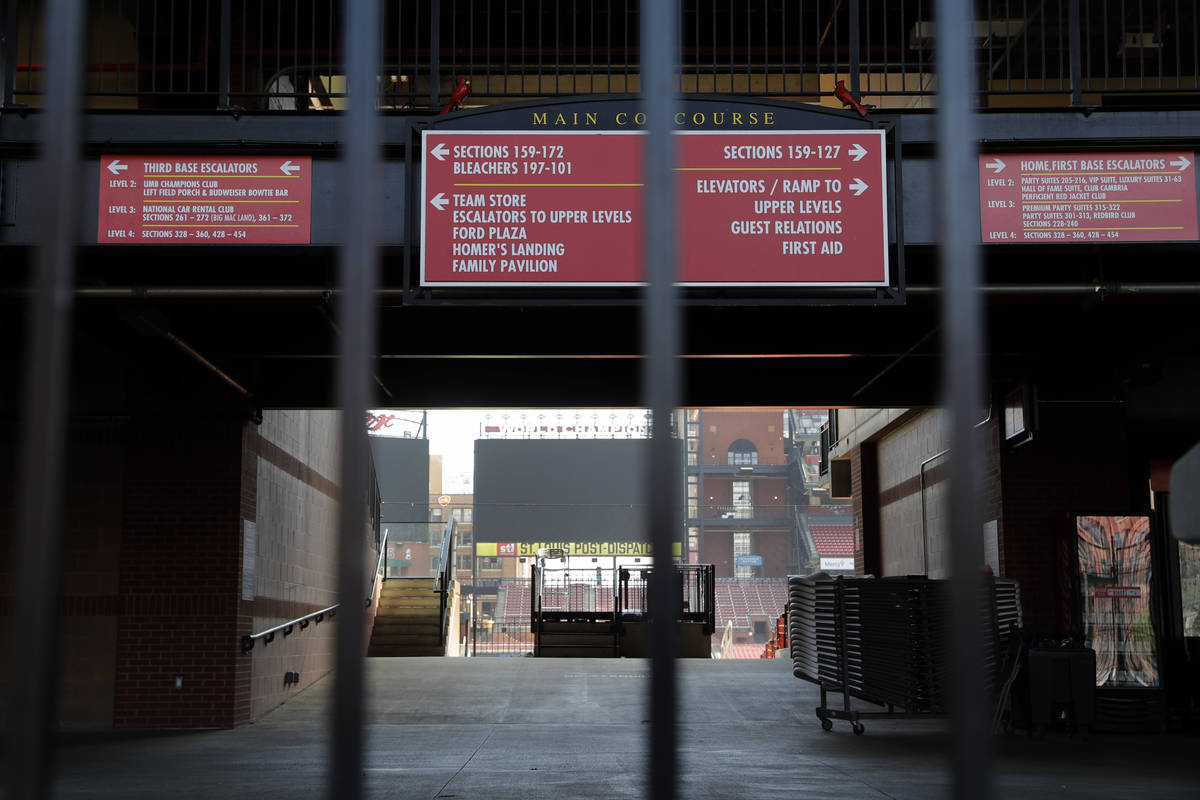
[249, 639]
[435, 53]
[963, 374]
[1073, 23]
[33, 636]
[223, 88]
[191, 351]
[8, 82]
[855, 66]
[661, 323]
[358, 276]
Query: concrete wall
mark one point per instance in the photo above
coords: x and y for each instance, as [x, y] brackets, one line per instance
[906, 531]
[295, 561]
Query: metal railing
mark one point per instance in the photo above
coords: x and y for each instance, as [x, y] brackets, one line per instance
[268, 636]
[286, 628]
[445, 573]
[276, 55]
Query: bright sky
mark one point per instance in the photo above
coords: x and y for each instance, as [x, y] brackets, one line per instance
[452, 434]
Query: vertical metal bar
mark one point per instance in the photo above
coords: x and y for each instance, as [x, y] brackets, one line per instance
[454, 46]
[187, 66]
[223, 89]
[661, 337]
[962, 388]
[1073, 23]
[207, 48]
[435, 53]
[8, 83]
[358, 275]
[854, 45]
[1125, 50]
[1158, 16]
[33, 635]
[119, 57]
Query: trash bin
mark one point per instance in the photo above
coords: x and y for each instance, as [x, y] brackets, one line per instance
[1062, 680]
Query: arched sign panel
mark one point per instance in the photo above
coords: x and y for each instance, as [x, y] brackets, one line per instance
[558, 202]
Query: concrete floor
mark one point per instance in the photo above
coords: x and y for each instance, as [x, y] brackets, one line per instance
[548, 728]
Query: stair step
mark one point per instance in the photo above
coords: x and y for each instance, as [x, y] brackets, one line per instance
[410, 602]
[401, 591]
[405, 639]
[393, 651]
[409, 616]
[388, 626]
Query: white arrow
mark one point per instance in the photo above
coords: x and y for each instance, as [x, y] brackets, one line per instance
[996, 166]
[440, 151]
[439, 201]
[858, 186]
[287, 167]
[1182, 163]
[116, 167]
[858, 151]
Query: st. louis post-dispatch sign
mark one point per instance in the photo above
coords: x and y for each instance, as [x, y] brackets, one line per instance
[186, 199]
[553, 208]
[531, 549]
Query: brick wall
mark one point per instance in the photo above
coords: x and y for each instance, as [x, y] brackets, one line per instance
[718, 551]
[721, 428]
[775, 552]
[1078, 461]
[90, 579]
[864, 508]
[90, 551]
[180, 571]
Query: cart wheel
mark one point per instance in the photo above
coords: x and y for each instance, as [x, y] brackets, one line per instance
[826, 724]
[858, 729]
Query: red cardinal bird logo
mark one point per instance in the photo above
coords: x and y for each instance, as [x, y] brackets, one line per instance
[460, 93]
[842, 93]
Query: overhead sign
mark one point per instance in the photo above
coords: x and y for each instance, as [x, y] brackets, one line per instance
[1088, 197]
[174, 199]
[542, 208]
[749, 561]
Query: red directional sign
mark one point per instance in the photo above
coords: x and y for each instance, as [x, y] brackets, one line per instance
[205, 199]
[805, 208]
[1087, 197]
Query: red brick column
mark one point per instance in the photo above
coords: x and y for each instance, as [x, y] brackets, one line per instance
[864, 486]
[180, 577]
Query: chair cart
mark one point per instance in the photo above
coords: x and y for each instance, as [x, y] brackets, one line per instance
[883, 641]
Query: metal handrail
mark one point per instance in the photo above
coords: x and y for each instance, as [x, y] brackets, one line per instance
[268, 635]
[379, 570]
[445, 573]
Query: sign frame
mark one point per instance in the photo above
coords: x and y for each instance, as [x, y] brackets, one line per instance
[888, 283]
[118, 177]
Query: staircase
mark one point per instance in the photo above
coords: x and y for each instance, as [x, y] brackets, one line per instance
[407, 619]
